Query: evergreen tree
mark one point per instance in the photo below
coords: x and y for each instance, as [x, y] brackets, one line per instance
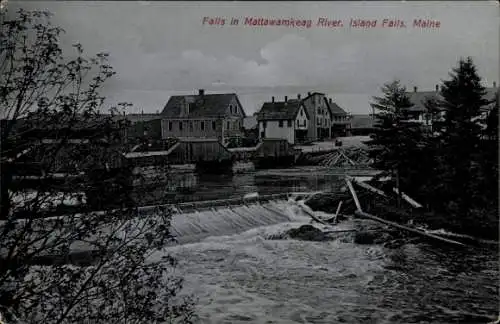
[460, 134]
[396, 141]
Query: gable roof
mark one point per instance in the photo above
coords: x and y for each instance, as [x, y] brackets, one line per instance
[335, 109]
[419, 98]
[206, 105]
[280, 110]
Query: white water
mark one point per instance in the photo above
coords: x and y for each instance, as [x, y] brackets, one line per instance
[247, 278]
[240, 275]
[193, 226]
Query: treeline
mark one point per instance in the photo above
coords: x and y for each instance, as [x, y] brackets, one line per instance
[449, 164]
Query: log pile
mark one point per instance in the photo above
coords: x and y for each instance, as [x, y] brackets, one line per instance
[346, 157]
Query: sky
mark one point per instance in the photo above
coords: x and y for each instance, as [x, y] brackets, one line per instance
[159, 49]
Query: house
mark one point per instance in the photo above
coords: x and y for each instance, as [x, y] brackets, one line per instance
[341, 120]
[286, 119]
[320, 114]
[211, 116]
[419, 112]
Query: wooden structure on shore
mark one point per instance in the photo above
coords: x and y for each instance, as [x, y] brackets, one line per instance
[272, 153]
[209, 155]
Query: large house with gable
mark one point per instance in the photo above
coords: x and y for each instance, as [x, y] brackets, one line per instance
[211, 116]
[286, 119]
[323, 117]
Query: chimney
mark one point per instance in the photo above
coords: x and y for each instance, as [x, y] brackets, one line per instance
[286, 98]
[330, 100]
[415, 89]
[298, 96]
[201, 92]
[309, 93]
[437, 87]
[272, 99]
[494, 84]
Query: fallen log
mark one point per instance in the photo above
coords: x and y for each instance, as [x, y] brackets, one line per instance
[309, 212]
[367, 186]
[407, 198]
[408, 229]
[353, 193]
[337, 212]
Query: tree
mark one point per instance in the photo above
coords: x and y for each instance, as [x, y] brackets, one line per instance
[395, 143]
[460, 136]
[52, 127]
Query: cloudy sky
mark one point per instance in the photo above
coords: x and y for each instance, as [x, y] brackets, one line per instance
[162, 48]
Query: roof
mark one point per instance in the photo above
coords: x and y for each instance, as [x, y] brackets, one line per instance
[206, 105]
[335, 109]
[280, 110]
[134, 118]
[418, 98]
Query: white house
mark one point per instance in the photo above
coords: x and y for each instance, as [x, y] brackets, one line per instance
[286, 119]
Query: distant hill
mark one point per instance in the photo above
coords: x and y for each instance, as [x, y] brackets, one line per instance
[361, 121]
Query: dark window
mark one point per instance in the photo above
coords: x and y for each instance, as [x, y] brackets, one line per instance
[169, 126]
[213, 125]
[264, 124]
[202, 125]
[301, 113]
[180, 125]
[227, 124]
[280, 123]
[230, 109]
[290, 123]
[191, 126]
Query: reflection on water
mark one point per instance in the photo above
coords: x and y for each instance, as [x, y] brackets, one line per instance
[189, 186]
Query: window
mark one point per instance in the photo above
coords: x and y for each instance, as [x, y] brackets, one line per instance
[202, 125]
[170, 126]
[231, 109]
[297, 122]
[264, 124]
[180, 125]
[227, 124]
[301, 113]
[280, 123]
[289, 123]
[213, 125]
[191, 126]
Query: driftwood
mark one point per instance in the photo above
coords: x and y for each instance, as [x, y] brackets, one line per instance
[353, 193]
[408, 229]
[337, 212]
[307, 210]
[367, 186]
[407, 198]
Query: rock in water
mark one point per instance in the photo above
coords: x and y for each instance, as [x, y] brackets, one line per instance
[308, 233]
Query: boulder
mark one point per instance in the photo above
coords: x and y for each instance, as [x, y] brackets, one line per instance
[308, 233]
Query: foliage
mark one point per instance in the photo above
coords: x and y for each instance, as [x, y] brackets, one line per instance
[397, 141]
[58, 151]
[453, 168]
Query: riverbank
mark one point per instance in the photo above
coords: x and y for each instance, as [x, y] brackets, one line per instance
[480, 225]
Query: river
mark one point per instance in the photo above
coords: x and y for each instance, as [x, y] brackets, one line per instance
[241, 275]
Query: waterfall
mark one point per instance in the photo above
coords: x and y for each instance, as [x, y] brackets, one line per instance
[192, 226]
